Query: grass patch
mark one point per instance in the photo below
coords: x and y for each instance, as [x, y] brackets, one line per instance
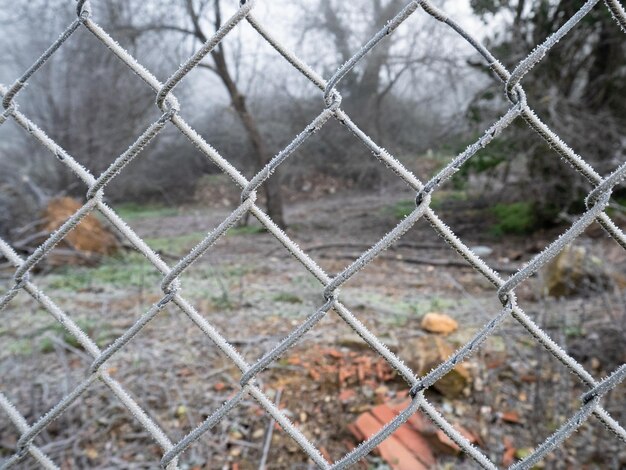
[130, 270]
[44, 338]
[20, 347]
[403, 208]
[515, 218]
[100, 334]
[395, 311]
[133, 211]
[287, 298]
[222, 301]
[180, 244]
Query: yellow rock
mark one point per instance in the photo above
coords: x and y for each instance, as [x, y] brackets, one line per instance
[575, 271]
[181, 411]
[425, 353]
[439, 323]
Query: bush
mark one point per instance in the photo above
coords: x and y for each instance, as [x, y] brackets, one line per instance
[517, 217]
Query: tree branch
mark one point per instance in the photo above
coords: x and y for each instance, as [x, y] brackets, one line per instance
[152, 27]
[210, 67]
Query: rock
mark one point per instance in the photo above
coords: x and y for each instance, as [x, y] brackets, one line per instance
[604, 347]
[481, 251]
[439, 323]
[425, 353]
[575, 271]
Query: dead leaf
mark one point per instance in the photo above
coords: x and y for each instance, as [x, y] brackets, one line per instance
[510, 417]
[294, 361]
[509, 451]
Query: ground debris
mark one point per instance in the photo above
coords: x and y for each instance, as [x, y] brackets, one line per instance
[84, 244]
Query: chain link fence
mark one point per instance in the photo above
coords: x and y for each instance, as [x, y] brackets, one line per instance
[596, 202]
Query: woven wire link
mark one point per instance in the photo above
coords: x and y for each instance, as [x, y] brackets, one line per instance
[596, 202]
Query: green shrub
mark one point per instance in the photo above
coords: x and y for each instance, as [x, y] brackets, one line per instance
[517, 218]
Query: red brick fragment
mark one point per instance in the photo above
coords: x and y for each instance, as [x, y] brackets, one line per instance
[325, 454]
[417, 421]
[334, 353]
[392, 450]
[449, 445]
[405, 434]
[509, 451]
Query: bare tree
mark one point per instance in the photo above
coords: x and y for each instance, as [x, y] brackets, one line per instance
[77, 98]
[196, 26]
[409, 67]
[220, 67]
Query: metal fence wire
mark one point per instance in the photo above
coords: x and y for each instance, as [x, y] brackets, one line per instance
[596, 202]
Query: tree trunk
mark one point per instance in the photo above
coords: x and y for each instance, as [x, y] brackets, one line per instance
[271, 187]
[362, 85]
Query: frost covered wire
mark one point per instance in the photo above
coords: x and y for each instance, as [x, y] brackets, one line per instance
[330, 298]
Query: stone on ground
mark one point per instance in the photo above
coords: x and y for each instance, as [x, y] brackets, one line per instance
[575, 271]
[425, 353]
[439, 323]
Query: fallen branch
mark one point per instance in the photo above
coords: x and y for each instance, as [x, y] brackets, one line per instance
[365, 246]
[268, 435]
[25, 243]
[424, 261]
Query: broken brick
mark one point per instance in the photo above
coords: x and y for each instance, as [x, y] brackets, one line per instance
[411, 439]
[392, 450]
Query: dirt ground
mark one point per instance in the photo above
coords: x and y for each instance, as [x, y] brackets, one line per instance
[250, 289]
